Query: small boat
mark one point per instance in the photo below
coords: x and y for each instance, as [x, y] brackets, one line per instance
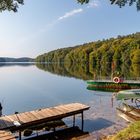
[128, 94]
[131, 109]
[127, 116]
[113, 86]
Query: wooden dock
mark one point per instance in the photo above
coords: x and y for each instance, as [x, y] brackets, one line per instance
[6, 135]
[22, 121]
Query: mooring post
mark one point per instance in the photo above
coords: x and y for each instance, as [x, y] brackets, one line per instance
[82, 117]
[73, 120]
[19, 135]
[54, 130]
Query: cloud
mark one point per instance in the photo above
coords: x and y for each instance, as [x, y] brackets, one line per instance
[50, 25]
[71, 13]
[93, 4]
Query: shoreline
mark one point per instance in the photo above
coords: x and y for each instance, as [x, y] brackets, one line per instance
[107, 118]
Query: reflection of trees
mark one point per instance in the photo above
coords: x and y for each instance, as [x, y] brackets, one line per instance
[135, 69]
[125, 69]
[55, 68]
[86, 72]
[77, 71]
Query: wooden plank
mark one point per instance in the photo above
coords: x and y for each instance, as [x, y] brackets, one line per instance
[12, 117]
[22, 118]
[2, 124]
[6, 135]
[54, 111]
[7, 121]
[30, 116]
[65, 110]
[41, 113]
[33, 116]
[36, 117]
[49, 112]
[76, 107]
[35, 113]
[70, 108]
[62, 110]
[81, 105]
[1, 132]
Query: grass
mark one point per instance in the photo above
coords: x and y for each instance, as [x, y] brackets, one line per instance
[132, 132]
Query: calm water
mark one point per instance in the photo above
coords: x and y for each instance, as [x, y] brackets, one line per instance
[24, 88]
[27, 88]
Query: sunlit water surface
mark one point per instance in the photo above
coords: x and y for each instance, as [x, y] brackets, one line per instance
[25, 88]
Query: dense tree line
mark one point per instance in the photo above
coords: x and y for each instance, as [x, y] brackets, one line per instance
[114, 54]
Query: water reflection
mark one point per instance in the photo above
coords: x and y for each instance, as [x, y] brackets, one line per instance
[85, 72]
[65, 134]
[8, 64]
[28, 88]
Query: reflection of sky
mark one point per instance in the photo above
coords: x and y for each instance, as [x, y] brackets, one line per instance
[29, 88]
[26, 88]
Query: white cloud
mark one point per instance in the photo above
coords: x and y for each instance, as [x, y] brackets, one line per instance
[71, 13]
[93, 4]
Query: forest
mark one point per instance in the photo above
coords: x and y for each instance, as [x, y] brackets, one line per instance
[119, 55]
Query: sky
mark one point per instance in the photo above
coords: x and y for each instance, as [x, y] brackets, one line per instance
[41, 26]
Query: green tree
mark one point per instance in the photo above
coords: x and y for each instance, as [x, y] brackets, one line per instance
[120, 3]
[136, 57]
[10, 5]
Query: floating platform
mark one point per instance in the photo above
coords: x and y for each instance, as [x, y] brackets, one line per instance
[110, 86]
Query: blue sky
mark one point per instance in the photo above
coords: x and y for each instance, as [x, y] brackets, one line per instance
[40, 26]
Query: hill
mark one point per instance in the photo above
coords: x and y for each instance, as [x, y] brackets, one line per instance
[114, 54]
[22, 59]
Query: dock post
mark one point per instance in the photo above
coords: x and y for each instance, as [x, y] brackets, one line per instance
[54, 130]
[82, 117]
[19, 135]
[73, 120]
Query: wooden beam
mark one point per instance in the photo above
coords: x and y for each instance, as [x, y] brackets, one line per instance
[73, 120]
[82, 118]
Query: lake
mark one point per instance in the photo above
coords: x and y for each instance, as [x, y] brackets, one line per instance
[26, 87]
